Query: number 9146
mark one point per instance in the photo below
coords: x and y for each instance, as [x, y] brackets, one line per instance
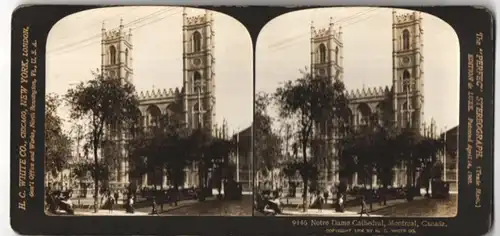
[300, 223]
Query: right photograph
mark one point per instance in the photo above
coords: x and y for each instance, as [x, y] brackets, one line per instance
[356, 114]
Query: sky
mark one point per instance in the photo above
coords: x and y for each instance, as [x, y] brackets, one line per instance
[74, 50]
[283, 48]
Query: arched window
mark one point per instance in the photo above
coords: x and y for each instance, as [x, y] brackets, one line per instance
[322, 53]
[154, 115]
[196, 81]
[364, 114]
[196, 41]
[196, 115]
[337, 55]
[112, 55]
[406, 80]
[406, 39]
[196, 76]
[406, 75]
[126, 57]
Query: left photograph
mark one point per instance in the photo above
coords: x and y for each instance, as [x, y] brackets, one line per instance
[148, 111]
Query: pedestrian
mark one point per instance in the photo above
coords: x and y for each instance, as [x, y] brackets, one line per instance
[363, 207]
[130, 204]
[326, 195]
[154, 208]
[321, 201]
[110, 202]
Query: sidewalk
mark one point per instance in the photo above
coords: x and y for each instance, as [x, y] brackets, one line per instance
[377, 206]
[324, 212]
[108, 213]
[349, 210]
[140, 211]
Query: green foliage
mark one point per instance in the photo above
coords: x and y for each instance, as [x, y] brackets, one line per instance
[57, 142]
[267, 144]
[103, 102]
[309, 100]
[376, 149]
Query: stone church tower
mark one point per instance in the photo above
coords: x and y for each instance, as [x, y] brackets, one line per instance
[408, 74]
[326, 52]
[116, 52]
[116, 61]
[326, 61]
[199, 74]
[197, 94]
[399, 104]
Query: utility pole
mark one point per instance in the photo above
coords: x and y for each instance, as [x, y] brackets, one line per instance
[444, 154]
[238, 155]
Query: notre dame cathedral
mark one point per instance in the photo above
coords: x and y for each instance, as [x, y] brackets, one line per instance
[197, 92]
[404, 98]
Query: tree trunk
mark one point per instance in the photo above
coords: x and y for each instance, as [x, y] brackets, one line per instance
[305, 176]
[200, 175]
[154, 179]
[371, 192]
[96, 178]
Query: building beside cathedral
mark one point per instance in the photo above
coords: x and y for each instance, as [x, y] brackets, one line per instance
[400, 103]
[197, 94]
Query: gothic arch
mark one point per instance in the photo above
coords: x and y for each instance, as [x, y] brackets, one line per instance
[196, 76]
[153, 115]
[337, 55]
[322, 53]
[364, 112]
[112, 55]
[196, 81]
[406, 39]
[406, 75]
[406, 80]
[364, 109]
[196, 41]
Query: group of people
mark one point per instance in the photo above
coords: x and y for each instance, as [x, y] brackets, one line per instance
[110, 199]
[59, 200]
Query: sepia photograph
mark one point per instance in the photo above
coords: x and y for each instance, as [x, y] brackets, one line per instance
[356, 114]
[148, 112]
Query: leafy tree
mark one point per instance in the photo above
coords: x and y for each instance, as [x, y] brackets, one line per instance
[267, 144]
[57, 142]
[80, 171]
[219, 151]
[102, 102]
[199, 143]
[290, 170]
[310, 100]
[407, 142]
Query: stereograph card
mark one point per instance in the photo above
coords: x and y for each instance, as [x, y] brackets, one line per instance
[201, 120]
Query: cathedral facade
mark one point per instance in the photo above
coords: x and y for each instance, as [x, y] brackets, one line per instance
[400, 102]
[197, 94]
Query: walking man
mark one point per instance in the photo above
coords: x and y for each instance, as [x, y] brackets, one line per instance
[363, 207]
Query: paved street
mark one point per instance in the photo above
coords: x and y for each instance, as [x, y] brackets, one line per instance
[420, 207]
[216, 208]
[423, 208]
